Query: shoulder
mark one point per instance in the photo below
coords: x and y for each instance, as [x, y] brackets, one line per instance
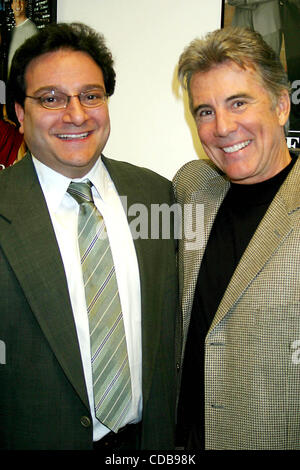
[134, 174]
[18, 174]
[7, 175]
[31, 25]
[195, 175]
[289, 191]
[27, 29]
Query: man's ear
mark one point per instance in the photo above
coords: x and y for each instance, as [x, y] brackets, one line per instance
[283, 107]
[20, 115]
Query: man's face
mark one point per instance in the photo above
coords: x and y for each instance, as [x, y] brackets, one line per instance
[68, 140]
[18, 7]
[239, 128]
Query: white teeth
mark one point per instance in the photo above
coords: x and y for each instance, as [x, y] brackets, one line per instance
[236, 147]
[73, 136]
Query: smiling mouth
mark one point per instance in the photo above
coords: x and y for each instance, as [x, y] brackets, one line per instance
[73, 136]
[236, 147]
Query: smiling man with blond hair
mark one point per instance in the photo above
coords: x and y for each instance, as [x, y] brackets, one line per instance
[240, 291]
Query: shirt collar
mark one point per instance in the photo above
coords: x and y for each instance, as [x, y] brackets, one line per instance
[55, 185]
[21, 24]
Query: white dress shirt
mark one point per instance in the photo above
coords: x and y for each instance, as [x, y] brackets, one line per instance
[63, 211]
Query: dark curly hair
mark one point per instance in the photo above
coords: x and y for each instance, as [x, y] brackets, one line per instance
[74, 36]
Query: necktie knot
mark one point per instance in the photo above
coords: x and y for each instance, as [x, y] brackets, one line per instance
[81, 192]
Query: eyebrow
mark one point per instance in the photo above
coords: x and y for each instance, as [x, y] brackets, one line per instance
[238, 96]
[230, 98]
[91, 86]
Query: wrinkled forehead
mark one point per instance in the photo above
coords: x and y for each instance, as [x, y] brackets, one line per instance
[245, 66]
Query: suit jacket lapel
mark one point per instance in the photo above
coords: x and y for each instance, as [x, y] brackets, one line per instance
[270, 234]
[211, 197]
[128, 183]
[29, 243]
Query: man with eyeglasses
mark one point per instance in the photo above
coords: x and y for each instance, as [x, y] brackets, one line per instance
[87, 309]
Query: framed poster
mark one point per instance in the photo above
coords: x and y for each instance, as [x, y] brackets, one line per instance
[19, 19]
[278, 21]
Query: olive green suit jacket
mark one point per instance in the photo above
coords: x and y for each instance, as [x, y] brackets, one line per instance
[43, 397]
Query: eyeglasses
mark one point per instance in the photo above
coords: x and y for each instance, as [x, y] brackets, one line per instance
[59, 100]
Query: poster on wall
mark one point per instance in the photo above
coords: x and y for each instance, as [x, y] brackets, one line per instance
[278, 21]
[20, 19]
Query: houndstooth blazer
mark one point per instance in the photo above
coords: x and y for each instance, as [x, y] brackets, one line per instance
[252, 349]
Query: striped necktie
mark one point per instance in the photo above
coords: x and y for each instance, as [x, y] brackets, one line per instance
[110, 366]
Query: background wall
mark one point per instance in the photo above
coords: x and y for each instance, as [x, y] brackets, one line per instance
[150, 121]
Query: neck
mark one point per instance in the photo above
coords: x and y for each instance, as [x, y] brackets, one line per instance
[20, 19]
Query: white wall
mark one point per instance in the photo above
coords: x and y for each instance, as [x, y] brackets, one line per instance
[150, 124]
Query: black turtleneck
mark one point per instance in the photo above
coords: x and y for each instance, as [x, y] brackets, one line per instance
[238, 217]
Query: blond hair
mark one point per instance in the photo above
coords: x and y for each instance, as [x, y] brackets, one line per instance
[244, 47]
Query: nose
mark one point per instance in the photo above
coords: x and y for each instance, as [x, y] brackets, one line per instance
[75, 113]
[225, 123]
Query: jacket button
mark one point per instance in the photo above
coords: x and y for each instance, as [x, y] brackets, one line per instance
[85, 421]
[177, 366]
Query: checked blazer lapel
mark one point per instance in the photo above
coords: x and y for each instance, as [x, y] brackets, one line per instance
[273, 230]
[211, 197]
[29, 244]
